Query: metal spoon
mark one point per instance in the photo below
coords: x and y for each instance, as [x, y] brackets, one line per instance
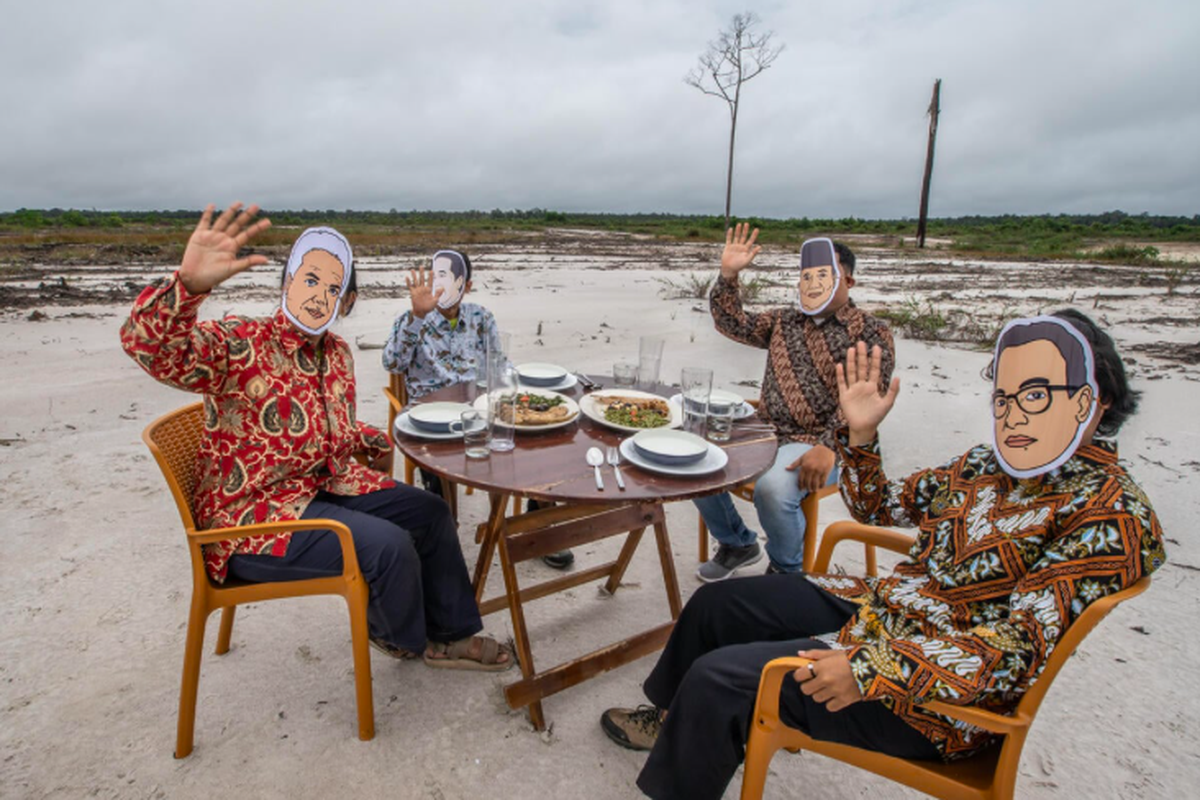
[596, 458]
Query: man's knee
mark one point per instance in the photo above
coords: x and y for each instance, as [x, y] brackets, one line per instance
[385, 550]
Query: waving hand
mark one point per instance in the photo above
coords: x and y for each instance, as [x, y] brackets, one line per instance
[211, 255]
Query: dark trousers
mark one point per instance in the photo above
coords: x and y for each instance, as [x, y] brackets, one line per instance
[708, 676]
[408, 550]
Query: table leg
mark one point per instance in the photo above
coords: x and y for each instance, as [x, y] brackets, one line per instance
[623, 559]
[670, 580]
[520, 630]
[487, 548]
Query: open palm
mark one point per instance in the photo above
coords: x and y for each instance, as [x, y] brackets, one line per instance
[211, 254]
[740, 249]
[863, 405]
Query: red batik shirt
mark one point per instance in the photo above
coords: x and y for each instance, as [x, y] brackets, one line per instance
[999, 570]
[279, 416]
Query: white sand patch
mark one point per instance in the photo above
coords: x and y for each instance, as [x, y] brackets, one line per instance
[95, 576]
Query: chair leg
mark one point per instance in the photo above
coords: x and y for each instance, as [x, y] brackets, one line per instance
[810, 507]
[410, 472]
[356, 600]
[192, 653]
[226, 630]
[760, 749]
[703, 541]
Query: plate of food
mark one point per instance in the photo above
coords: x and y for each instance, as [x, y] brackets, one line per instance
[630, 410]
[714, 459]
[536, 409]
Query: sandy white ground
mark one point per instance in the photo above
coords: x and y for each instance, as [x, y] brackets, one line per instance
[95, 579]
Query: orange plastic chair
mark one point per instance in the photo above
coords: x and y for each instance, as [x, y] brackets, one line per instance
[989, 774]
[174, 440]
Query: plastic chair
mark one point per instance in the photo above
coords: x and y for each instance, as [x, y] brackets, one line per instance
[989, 774]
[174, 440]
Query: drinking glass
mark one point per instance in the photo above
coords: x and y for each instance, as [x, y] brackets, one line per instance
[500, 343]
[697, 385]
[720, 420]
[650, 350]
[625, 374]
[502, 403]
[474, 429]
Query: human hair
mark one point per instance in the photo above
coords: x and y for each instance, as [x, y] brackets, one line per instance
[1111, 380]
[845, 257]
[351, 285]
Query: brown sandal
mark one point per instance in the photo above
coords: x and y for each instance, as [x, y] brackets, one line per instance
[457, 655]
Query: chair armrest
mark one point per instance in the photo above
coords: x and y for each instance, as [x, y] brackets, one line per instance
[988, 720]
[397, 406]
[869, 535]
[766, 707]
[349, 558]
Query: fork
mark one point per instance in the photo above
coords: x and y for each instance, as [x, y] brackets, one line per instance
[614, 459]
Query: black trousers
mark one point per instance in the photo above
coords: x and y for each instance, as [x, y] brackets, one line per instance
[408, 550]
[708, 676]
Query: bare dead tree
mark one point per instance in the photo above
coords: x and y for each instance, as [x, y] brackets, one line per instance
[935, 108]
[737, 55]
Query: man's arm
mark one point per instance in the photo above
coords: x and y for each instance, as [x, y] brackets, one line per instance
[1104, 547]
[402, 343]
[725, 300]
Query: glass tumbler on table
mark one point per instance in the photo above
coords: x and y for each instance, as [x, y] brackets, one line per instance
[650, 350]
[720, 420]
[625, 374]
[697, 385]
[474, 429]
[502, 404]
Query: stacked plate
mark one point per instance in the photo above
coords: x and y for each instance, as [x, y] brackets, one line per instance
[671, 447]
[436, 417]
[540, 374]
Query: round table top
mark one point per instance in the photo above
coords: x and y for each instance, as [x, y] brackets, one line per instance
[551, 465]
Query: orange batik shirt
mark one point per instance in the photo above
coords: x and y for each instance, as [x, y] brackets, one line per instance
[279, 415]
[999, 569]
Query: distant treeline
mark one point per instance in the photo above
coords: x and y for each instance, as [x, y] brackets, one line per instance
[1107, 225]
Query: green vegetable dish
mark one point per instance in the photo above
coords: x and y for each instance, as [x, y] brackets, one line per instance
[631, 416]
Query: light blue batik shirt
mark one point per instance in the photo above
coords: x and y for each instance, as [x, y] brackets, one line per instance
[432, 353]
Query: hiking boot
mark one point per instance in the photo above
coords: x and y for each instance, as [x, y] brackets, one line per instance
[728, 560]
[560, 560]
[635, 728]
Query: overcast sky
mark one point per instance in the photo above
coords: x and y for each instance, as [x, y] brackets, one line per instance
[1047, 106]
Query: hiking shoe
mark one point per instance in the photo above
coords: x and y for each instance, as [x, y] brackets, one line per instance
[560, 560]
[634, 728]
[728, 560]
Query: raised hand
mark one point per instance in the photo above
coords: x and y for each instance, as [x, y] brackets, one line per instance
[863, 405]
[211, 255]
[740, 249]
[420, 288]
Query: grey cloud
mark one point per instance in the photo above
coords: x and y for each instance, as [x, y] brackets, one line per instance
[1047, 106]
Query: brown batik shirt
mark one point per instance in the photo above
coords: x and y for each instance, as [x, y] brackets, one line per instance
[799, 389]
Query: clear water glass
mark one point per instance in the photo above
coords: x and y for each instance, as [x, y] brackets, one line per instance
[474, 429]
[502, 404]
[650, 350]
[720, 421]
[625, 374]
[697, 386]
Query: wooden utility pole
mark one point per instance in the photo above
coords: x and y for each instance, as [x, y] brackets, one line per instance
[934, 107]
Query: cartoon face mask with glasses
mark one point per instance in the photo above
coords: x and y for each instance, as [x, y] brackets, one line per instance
[1044, 394]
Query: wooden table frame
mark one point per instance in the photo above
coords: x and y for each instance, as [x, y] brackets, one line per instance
[531, 535]
[582, 515]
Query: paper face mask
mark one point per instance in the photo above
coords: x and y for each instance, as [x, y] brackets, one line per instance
[819, 275]
[1044, 394]
[318, 272]
[451, 271]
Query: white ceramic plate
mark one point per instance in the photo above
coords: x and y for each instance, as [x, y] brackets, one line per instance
[741, 412]
[670, 446]
[481, 405]
[591, 407]
[538, 373]
[404, 425]
[563, 385]
[715, 459]
[436, 417]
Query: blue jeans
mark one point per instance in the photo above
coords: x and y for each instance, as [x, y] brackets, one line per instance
[777, 498]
